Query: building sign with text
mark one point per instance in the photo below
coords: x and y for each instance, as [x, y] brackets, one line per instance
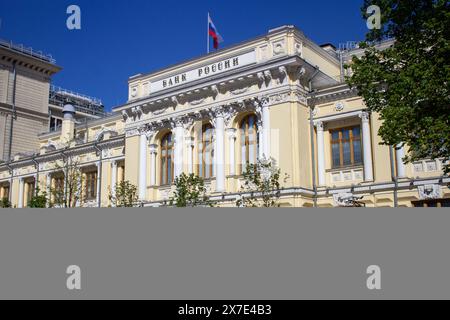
[204, 72]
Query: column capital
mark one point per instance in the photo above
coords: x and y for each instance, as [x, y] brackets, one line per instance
[189, 141]
[149, 134]
[153, 148]
[231, 133]
[319, 125]
[365, 116]
[176, 122]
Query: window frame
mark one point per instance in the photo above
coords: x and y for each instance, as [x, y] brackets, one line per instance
[245, 131]
[6, 190]
[94, 181]
[341, 142]
[164, 169]
[31, 189]
[202, 150]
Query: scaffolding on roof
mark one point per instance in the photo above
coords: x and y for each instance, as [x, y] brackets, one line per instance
[82, 103]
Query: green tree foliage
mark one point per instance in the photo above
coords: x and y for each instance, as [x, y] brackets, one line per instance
[262, 183]
[408, 83]
[4, 203]
[39, 200]
[190, 192]
[125, 195]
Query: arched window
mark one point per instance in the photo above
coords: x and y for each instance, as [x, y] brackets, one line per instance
[205, 167]
[249, 141]
[167, 159]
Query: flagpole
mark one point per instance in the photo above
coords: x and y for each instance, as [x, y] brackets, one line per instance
[207, 36]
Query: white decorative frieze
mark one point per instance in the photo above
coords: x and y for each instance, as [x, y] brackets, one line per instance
[298, 47]
[430, 192]
[277, 99]
[346, 199]
[215, 90]
[197, 102]
[159, 112]
[132, 132]
[283, 72]
[174, 100]
[268, 75]
[106, 153]
[134, 92]
[339, 106]
[279, 47]
[239, 91]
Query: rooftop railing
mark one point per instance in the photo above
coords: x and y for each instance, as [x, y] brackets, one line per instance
[27, 51]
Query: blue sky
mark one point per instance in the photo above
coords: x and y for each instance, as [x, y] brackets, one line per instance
[121, 38]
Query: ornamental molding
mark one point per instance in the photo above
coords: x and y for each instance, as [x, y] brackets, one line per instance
[106, 153]
[430, 192]
[219, 87]
[159, 111]
[197, 102]
[319, 125]
[100, 135]
[249, 101]
[345, 199]
[339, 106]
[239, 91]
[276, 99]
[334, 95]
[132, 132]
[365, 116]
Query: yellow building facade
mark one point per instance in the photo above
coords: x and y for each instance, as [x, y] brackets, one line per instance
[278, 96]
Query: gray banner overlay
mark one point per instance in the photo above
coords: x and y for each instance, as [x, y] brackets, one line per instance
[225, 253]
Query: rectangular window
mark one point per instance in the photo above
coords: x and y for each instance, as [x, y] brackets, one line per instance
[55, 124]
[91, 186]
[30, 190]
[346, 147]
[59, 184]
[5, 192]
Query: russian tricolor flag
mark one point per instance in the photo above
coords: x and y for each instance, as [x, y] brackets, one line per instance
[212, 30]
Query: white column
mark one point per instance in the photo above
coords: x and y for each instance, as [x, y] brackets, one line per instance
[220, 152]
[367, 146]
[21, 191]
[190, 150]
[400, 154]
[178, 153]
[49, 185]
[113, 178]
[320, 153]
[261, 140]
[231, 152]
[98, 183]
[153, 153]
[143, 166]
[266, 128]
